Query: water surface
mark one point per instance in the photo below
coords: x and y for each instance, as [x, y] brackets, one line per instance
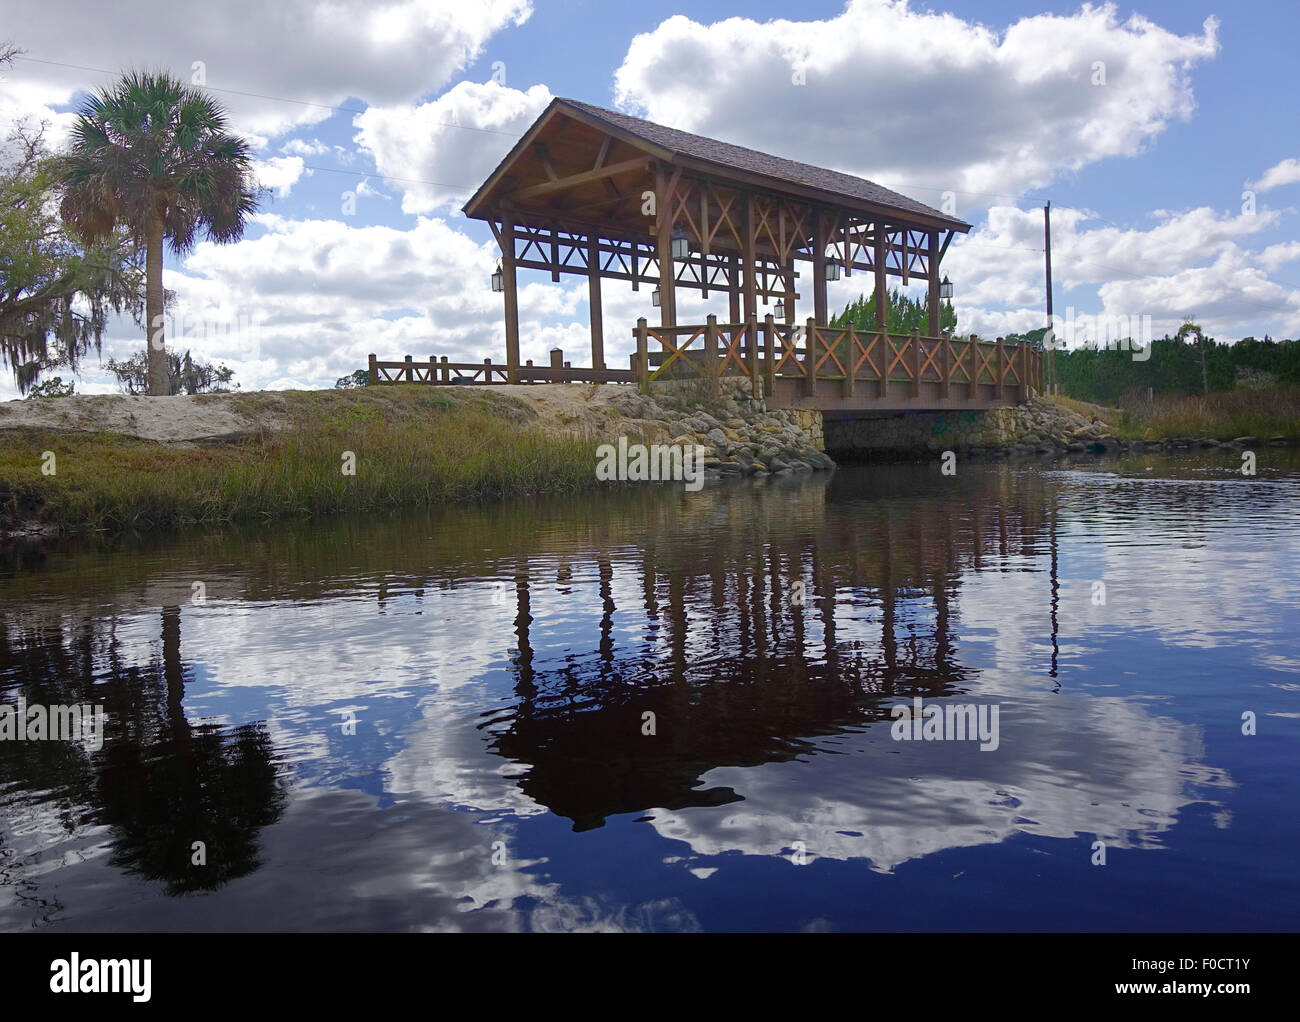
[498, 664]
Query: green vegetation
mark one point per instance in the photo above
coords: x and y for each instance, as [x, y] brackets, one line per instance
[151, 156]
[904, 315]
[1223, 415]
[185, 375]
[412, 447]
[1175, 367]
[56, 297]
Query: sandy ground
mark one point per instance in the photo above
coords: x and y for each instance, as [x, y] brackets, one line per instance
[185, 420]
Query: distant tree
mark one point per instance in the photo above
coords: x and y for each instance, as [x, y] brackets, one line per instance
[185, 375]
[905, 314]
[1193, 330]
[356, 378]
[56, 297]
[53, 387]
[154, 155]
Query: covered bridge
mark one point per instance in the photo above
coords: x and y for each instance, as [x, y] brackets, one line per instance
[599, 193]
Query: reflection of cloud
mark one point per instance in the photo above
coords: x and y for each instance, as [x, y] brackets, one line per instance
[411, 867]
[1066, 766]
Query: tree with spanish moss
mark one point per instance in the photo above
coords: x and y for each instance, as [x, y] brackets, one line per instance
[154, 155]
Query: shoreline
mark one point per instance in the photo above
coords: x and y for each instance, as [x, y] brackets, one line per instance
[112, 464]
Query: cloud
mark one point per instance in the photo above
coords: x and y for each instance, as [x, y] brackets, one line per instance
[1285, 173]
[280, 173]
[439, 152]
[317, 55]
[307, 300]
[1193, 262]
[918, 101]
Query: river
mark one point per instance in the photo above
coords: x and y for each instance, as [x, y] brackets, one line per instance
[660, 710]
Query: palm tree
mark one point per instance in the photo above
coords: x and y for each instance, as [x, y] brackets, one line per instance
[153, 154]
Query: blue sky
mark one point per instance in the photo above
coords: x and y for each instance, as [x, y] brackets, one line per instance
[996, 102]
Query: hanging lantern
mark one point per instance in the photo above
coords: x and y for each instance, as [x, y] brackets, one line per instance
[832, 271]
[779, 311]
[498, 279]
[654, 297]
[680, 247]
[945, 288]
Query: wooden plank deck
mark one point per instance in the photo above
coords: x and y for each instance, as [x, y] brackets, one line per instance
[808, 366]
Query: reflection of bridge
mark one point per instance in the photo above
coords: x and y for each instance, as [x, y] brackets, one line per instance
[734, 670]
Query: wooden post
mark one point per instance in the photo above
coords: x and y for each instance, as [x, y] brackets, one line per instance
[882, 295]
[916, 362]
[433, 369]
[593, 302]
[712, 369]
[557, 358]
[999, 380]
[642, 351]
[810, 356]
[971, 371]
[819, 267]
[733, 293]
[446, 370]
[932, 290]
[769, 343]
[750, 259]
[789, 293]
[664, 251]
[853, 357]
[945, 364]
[408, 370]
[511, 297]
[372, 371]
[751, 354]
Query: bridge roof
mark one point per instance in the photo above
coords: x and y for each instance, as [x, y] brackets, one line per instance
[524, 166]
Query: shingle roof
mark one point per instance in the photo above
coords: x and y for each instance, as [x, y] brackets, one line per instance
[776, 167]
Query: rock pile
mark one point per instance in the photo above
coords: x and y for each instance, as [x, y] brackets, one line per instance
[740, 436]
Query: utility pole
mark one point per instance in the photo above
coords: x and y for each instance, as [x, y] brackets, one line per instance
[1047, 248]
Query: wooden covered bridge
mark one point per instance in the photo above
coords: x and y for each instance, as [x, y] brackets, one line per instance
[594, 192]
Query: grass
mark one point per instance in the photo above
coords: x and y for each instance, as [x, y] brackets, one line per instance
[411, 447]
[1223, 415]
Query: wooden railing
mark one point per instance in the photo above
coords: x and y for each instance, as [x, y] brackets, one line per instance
[865, 365]
[439, 371]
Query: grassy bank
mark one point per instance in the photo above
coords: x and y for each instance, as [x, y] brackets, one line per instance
[1223, 415]
[411, 445]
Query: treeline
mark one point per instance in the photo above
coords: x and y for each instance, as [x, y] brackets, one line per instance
[1176, 365]
[905, 314]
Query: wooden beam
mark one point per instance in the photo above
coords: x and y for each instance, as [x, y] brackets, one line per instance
[882, 295]
[932, 287]
[819, 267]
[750, 284]
[593, 302]
[604, 151]
[585, 177]
[545, 158]
[511, 299]
[663, 240]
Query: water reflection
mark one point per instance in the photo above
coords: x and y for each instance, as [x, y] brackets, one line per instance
[500, 664]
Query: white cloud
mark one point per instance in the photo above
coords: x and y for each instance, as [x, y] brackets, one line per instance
[439, 152]
[383, 51]
[1189, 263]
[918, 101]
[1285, 173]
[280, 173]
